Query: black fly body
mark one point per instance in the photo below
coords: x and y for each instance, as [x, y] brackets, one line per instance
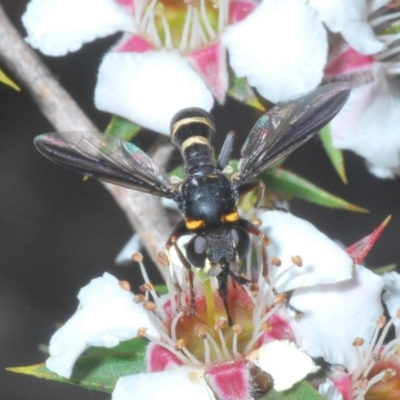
[206, 198]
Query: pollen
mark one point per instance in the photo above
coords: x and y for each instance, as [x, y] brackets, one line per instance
[139, 298]
[125, 285]
[201, 331]
[280, 298]
[266, 326]
[363, 383]
[180, 344]
[162, 259]
[146, 287]
[149, 305]
[137, 257]
[297, 260]
[221, 324]
[381, 322]
[237, 329]
[141, 332]
[257, 222]
[276, 261]
[358, 342]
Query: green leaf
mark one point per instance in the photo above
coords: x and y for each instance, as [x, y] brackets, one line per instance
[161, 289]
[293, 185]
[7, 81]
[94, 372]
[393, 29]
[241, 91]
[300, 391]
[383, 269]
[122, 128]
[334, 154]
[127, 346]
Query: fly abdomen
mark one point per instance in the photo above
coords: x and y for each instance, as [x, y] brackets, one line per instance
[192, 132]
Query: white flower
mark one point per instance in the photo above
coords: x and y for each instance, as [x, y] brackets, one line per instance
[279, 45]
[285, 362]
[183, 348]
[333, 315]
[181, 383]
[322, 263]
[368, 124]
[281, 48]
[105, 316]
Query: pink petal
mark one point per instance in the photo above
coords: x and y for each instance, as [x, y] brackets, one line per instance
[280, 330]
[328, 391]
[210, 63]
[359, 250]
[160, 359]
[344, 386]
[133, 43]
[129, 5]
[240, 9]
[230, 380]
[348, 61]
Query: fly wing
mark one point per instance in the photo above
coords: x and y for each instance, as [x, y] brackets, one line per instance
[105, 158]
[287, 126]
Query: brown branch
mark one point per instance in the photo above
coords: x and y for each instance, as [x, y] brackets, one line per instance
[143, 211]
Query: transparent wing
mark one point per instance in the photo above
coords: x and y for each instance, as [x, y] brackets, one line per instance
[287, 126]
[105, 158]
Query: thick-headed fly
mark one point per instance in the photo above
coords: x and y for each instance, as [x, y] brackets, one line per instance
[206, 198]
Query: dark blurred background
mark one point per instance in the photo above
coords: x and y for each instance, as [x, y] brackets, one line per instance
[58, 232]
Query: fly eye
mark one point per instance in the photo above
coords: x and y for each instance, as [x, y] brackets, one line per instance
[241, 240]
[196, 251]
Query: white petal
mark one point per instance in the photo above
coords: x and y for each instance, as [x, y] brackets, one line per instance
[323, 260]
[149, 88]
[181, 383]
[350, 18]
[328, 391]
[56, 27]
[369, 122]
[280, 47]
[334, 315]
[391, 297]
[284, 361]
[105, 316]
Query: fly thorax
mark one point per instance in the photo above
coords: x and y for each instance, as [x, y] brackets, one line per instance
[208, 199]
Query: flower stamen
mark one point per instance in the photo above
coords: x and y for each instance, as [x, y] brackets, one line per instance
[237, 330]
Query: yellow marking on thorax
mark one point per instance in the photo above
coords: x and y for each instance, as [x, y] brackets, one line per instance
[193, 224]
[231, 217]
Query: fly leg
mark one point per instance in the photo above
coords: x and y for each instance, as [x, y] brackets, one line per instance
[253, 230]
[178, 231]
[258, 186]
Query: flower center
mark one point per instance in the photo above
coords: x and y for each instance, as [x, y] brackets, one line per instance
[205, 338]
[181, 25]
